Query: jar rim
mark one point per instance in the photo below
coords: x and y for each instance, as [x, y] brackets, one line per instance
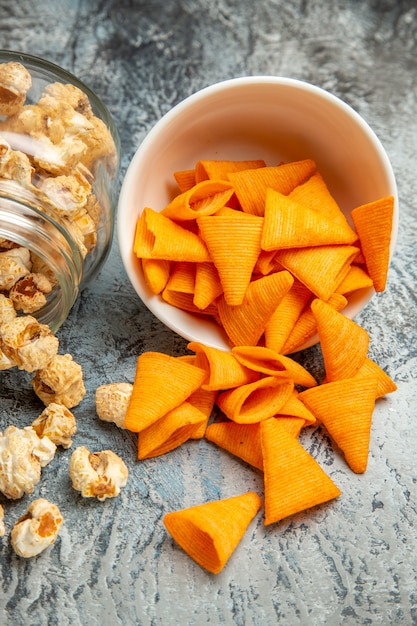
[52, 244]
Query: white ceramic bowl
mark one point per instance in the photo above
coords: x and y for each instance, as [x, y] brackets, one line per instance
[272, 118]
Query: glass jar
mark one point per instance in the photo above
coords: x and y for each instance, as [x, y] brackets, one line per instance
[59, 165]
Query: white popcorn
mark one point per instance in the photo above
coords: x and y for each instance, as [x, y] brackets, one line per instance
[68, 195]
[61, 381]
[71, 95]
[28, 293]
[99, 474]
[112, 401]
[14, 265]
[7, 313]
[30, 344]
[22, 456]
[37, 529]
[7, 310]
[15, 165]
[15, 81]
[57, 423]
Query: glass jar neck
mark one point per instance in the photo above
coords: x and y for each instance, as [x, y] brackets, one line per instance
[31, 228]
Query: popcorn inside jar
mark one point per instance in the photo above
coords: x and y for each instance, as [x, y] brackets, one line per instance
[59, 163]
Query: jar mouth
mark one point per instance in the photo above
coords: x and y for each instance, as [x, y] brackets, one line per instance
[33, 229]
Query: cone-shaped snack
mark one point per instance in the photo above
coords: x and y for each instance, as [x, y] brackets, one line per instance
[224, 371]
[320, 268]
[234, 244]
[266, 263]
[284, 318]
[241, 440]
[182, 278]
[207, 286]
[267, 361]
[345, 408]
[203, 400]
[205, 198]
[180, 289]
[314, 194]
[185, 179]
[158, 237]
[161, 383]
[373, 223]
[305, 327]
[256, 401]
[220, 169]
[170, 431]
[250, 186]
[289, 224]
[245, 324]
[209, 533]
[385, 384]
[293, 479]
[156, 273]
[293, 425]
[356, 278]
[295, 408]
[344, 343]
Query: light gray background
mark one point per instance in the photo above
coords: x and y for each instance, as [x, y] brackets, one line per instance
[351, 562]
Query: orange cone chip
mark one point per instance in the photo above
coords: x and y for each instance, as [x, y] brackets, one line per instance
[293, 425]
[293, 480]
[219, 169]
[269, 362]
[185, 301]
[205, 198]
[266, 263]
[344, 344]
[209, 533]
[256, 401]
[180, 290]
[305, 327]
[295, 408]
[315, 195]
[234, 244]
[384, 385]
[170, 431]
[207, 285]
[355, 279]
[245, 324]
[203, 400]
[251, 185]
[241, 440]
[158, 237]
[285, 316]
[185, 179]
[156, 273]
[223, 370]
[161, 383]
[182, 278]
[320, 268]
[373, 223]
[345, 408]
[288, 224]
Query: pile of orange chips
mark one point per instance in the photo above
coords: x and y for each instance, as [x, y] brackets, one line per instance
[252, 245]
[266, 252]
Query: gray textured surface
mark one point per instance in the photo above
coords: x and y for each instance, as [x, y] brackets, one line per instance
[352, 562]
